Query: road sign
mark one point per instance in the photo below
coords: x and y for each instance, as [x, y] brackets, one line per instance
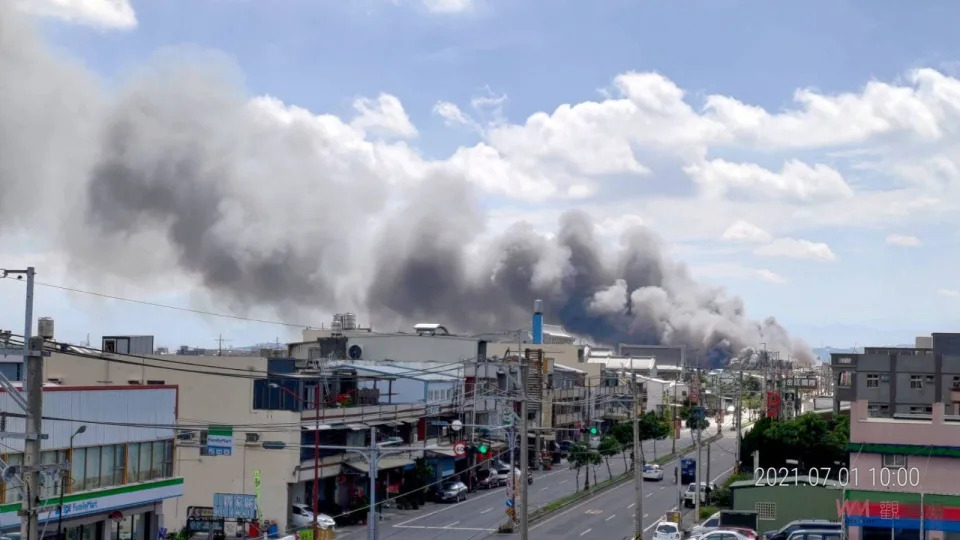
[507, 417]
[456, 425]
[234, 506]
[509, 503]
[460, 449]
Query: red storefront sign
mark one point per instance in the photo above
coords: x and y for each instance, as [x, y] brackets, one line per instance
[897, 510]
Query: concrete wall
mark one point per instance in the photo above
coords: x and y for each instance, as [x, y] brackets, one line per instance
[208, 397]
[936, 475]
[414, 348]
[791, 503]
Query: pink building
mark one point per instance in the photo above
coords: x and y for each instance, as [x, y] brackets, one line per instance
[904, 476]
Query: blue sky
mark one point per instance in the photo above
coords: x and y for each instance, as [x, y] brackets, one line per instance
[888, 275]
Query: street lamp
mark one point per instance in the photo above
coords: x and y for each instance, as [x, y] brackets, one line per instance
[316, 450]
[63, 482]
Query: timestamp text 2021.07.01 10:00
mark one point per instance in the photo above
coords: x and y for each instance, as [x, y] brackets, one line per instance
[887, 477]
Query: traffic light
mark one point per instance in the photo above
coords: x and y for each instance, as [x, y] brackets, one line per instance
[593, 430]
[482, 448]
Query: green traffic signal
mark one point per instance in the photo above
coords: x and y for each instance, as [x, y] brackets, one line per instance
[593, 430]
[482, 449]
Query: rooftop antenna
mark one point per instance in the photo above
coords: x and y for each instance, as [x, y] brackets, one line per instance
[220, 341]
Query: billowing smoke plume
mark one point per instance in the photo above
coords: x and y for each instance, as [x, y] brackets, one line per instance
[265, 205]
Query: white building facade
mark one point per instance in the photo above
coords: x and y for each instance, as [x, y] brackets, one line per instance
[118, 447]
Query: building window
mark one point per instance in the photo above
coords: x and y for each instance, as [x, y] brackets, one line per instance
[92, 469]
[133, 460]
[143, 472]
[873, 380]
[766, 511]
[878, 410]
[894, 461]
[956, 382]
[845, 380]
[916, 382]
[921, 409]
[78, 462]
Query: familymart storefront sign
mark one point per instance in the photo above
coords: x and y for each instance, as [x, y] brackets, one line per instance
[99, 501]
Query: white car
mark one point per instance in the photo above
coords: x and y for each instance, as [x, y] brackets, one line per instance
[303, 517]
[710, 524]
[652, 472]
[725, 534]
[689, 496]
[667, 530]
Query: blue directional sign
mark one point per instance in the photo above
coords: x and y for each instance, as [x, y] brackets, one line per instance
[234, 506]
[509, 503]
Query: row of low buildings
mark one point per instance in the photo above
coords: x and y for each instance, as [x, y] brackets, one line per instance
[165, 436]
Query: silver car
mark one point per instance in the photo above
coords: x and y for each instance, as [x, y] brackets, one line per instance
[452, 491]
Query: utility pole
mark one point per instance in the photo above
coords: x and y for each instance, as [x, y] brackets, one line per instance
[374, 458]
[738, 422]
[33, 361]
[708, 466]
[521, 484]
[316, 459]
[637, 467]
[220, 341]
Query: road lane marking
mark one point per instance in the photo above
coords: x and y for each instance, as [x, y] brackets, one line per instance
[544, 488]
[487, 510]
[585, 532]
[675, 508]
[631, 505]
[442, 528]
[562, 482]
[565, 512]
[451, 525]
[611, 517]
[649, 494]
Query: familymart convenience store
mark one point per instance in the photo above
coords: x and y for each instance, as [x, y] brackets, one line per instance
[129, 512]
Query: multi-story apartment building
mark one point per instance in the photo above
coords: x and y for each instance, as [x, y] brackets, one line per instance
[904, 476]
[900, 380]
[119, 479]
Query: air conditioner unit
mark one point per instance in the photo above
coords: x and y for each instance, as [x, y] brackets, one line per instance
[186, 435]
[253, 438]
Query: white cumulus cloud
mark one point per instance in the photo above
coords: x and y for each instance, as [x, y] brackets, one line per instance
[384, 116]
[448, 6]
[903, 240]
[110, 14]
[796, 180]
[794, 248]
[744, 231]
[950, 293]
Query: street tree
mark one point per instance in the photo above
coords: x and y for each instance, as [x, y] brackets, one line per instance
[609, 446]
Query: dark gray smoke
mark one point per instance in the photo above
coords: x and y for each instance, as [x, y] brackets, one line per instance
[179, 173]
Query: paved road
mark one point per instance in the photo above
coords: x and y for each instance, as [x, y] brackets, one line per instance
[480, 515]
[611, 514]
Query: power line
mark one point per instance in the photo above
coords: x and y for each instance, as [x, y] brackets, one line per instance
[166, 306]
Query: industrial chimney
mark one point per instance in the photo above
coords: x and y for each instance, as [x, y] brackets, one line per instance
[538, 322]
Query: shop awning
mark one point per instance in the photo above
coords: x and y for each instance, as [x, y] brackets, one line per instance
[444, 451]
[385, 463]
[394, 423]
[357, 427]
[323, 427]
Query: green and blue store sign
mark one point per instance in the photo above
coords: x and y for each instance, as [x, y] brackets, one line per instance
[98, 501]
[894, 510]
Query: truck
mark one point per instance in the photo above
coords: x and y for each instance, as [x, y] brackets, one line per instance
[688, 470]
[738, 518]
